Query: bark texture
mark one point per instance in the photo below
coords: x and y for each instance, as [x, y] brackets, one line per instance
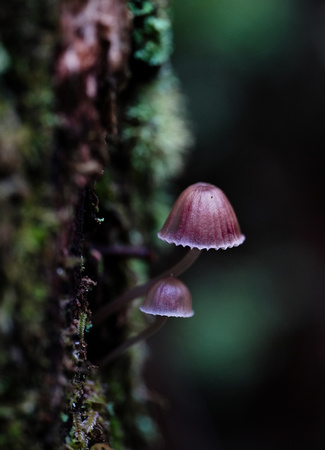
[91, 132]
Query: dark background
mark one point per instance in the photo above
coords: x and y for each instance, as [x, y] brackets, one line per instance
[248, 370]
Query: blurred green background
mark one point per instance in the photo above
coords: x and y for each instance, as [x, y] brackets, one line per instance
[248, 370]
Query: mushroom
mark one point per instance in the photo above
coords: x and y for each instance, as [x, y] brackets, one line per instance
[202, 218]
[167, 297]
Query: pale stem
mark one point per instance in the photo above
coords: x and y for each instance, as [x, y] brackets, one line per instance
[138, 291]
[155, 326]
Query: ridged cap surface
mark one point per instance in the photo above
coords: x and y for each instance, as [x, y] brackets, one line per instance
[202, 218]
[168, 297]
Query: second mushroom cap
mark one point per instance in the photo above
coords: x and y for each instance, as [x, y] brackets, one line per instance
[168, 297]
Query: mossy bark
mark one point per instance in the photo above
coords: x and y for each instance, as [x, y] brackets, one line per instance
[92, 130]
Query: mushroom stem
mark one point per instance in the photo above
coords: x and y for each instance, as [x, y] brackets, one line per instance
[138, 291]
[149, 331]
[190, 257]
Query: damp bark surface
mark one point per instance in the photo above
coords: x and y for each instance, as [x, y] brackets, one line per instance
[87, 96]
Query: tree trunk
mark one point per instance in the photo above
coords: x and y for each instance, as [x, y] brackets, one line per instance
[91, 132]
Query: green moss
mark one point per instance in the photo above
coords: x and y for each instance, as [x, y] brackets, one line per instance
[154, 140]
[156, 125]
[152, 34]
[157, 133]
[153, 43]
[45, 354]
[28, 225]
[140, 8]
[90, 417]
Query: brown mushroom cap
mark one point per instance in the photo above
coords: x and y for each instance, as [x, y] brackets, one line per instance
[202, 218]
[168, 297]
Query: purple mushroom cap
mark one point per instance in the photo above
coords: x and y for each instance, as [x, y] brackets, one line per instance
[168, 297]
[202, 218]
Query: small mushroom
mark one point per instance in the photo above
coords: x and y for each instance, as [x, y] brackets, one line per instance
[168, 297]
[202, 218]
